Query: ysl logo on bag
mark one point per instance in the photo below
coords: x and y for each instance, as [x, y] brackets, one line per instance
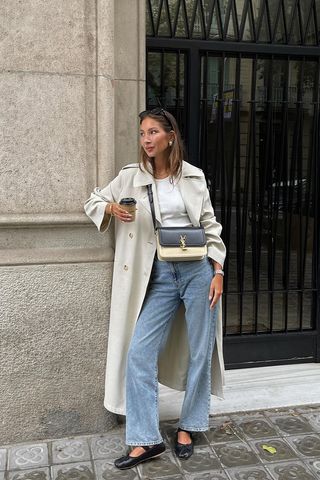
[183, 242]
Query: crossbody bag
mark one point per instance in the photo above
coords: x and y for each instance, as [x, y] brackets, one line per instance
[178, 244]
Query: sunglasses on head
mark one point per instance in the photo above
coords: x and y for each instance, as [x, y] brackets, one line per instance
[156, 111]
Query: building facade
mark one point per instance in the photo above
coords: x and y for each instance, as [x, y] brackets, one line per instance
[72, 82]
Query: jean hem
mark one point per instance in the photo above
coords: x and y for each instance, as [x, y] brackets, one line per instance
[194, 429]
[139, 444]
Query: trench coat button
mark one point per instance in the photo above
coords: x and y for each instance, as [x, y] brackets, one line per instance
[126, 267]
[131, 235]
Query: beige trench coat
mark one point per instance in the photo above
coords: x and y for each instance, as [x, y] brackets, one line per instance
[135, 247]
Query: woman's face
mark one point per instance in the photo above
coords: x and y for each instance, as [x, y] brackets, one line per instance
[153, 138]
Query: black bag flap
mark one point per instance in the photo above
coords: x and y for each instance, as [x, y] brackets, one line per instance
[171, 236]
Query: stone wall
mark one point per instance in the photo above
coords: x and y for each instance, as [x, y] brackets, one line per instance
[72, 81]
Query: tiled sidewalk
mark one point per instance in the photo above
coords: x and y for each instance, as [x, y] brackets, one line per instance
[264, 445]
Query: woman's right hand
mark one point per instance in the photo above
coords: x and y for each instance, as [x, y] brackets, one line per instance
[117, 211]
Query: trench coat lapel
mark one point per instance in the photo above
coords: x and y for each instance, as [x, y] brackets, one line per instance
[191, 189]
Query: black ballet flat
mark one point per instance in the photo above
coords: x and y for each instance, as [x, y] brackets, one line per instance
[183, 450]
[151, 451]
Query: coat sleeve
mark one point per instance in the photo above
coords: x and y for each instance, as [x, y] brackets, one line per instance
[215, 245]
[95, 206]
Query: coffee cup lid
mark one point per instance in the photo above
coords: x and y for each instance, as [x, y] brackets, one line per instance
[127, 201]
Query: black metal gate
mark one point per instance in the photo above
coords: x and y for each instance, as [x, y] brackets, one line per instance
[247, 99]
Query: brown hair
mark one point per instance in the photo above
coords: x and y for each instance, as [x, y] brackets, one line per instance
[168, 123]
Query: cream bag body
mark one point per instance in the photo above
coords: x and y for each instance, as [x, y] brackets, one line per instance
[135, 246]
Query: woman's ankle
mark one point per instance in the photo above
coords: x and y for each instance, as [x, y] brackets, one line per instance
[136, 452]
[184, 437]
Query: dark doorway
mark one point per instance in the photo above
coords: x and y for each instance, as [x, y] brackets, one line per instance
[250, 118]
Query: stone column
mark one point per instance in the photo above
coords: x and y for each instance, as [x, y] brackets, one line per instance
[130, 84]
[62, 92]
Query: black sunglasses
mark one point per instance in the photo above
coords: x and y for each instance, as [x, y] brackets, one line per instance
[156, 111]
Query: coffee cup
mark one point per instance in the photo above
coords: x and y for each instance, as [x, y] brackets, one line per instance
[129, 204]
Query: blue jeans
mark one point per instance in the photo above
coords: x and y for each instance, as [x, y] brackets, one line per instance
[170, 284]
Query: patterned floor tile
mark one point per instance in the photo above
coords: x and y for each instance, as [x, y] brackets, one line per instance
[164, 423]
[169, 443]
[230, 450]
[202, 460]
[28, 456]
[313, 419]
[279, 411]
[73, 471]
[163, 466]
[212, 475]
[105, 470]
[173, 477]
[108, 446]
[246, 416]
[3, 459]
[216, 421]
[283, 450]
[235, 455]
[290, 470]
[249, 473]
[199, 439]
[292, 424]
[224, 431]
[306, 445]
[308, 408]
[41, 473]
[70, 451]
[314, 464]
[256, 427]
[169, 432]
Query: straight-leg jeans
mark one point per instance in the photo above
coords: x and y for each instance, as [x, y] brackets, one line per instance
[170, 284]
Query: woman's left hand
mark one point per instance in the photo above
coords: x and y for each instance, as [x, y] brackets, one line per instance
[216, 289]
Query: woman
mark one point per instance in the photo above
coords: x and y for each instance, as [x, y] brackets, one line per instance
[164, 316]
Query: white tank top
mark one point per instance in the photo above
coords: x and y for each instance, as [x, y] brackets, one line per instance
[172, 208]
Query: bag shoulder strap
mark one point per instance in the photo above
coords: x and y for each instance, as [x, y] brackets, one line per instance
[150, 195]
